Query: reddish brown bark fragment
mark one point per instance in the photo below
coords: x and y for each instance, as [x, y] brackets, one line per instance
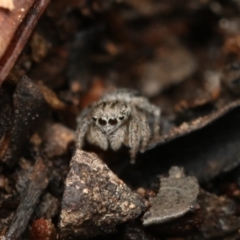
[16, 27]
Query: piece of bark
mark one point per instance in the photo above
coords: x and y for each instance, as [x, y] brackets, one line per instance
[210, 147]
[194, 125]
[29, 107]
[37, 182]
[10, 20]
[95, 201]
[16, 27]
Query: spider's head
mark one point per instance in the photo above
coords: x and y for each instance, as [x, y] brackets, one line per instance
[110, 115]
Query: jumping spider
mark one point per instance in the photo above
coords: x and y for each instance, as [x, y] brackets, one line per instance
[119, 117]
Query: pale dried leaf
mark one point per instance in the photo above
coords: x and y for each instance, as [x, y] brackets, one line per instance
[177, 196]
[7, 4]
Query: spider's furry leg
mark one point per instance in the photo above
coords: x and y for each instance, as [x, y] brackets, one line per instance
[81, 132]
[96, 137]
[133, 138]
[145, 105]
[145, 132]
[156, 114]
[117, 138]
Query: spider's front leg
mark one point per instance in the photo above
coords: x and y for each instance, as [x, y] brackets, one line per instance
[134, 138]
[145, 105]
[145, 132]
[83, 126]
[156, 114]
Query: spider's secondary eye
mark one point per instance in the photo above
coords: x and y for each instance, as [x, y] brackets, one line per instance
[112, 121]
[94, 119]
[121, 118]
[102, 122]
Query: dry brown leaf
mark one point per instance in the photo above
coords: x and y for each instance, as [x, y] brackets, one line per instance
[7, 4]
[95, 92]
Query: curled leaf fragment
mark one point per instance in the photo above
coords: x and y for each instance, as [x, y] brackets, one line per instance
[177, 196]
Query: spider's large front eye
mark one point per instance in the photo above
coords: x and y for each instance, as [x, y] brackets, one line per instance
[112, 121]
[102, 122]
[121, 118]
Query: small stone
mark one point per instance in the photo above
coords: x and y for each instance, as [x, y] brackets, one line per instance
[43, 229]
[99, 203]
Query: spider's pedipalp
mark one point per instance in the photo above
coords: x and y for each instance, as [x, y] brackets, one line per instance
[117, 138]
[81, 132]
[96, 137]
